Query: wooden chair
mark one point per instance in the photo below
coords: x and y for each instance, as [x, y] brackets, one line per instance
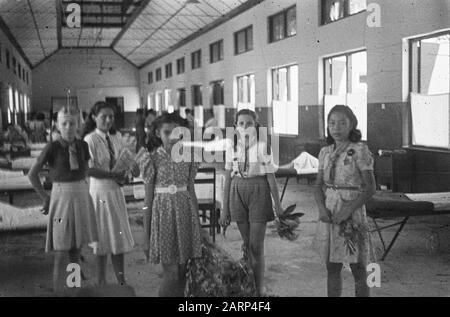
[209, 204]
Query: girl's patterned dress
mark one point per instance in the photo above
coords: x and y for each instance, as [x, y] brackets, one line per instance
[175, 225]
[330, 241]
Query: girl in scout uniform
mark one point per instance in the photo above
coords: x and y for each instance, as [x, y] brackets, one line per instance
[250, 186]
[345, 182]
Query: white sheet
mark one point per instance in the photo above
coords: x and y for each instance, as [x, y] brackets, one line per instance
[13, 218]
[441, 201]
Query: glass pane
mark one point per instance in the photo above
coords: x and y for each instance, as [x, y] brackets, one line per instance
[292, 21]
[335, 10]
[252, 93]
[293, 84]
[435, 65]
[339, 75]
[240, 42]
[283, 84]
[277, 27]
[240, 87]
[249, 39]
[358, 73]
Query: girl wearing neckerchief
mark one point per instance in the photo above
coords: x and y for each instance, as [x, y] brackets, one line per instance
[72, 222]
[345, 182]
[250, 186]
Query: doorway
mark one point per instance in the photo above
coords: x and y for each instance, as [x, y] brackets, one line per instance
[118, 104]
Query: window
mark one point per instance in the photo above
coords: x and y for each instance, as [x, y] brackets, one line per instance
[243, 40]
[19, 70]
[181, 97]
[285, 99]
[14, 65]
[158, 101]
[196, 59]
[7, 59]
[27, 78]
[11, 104]
[23, 73]
[158, 74]
[333, 10]
[169, 70]
[245, 92]
[217, 95]
[180, 65]
[151, 101]
[150, 78]
[283, 24]
[168, 105]
[430, 90]
[216, 51]
[197, 99]
[346, 84]
[1, 54]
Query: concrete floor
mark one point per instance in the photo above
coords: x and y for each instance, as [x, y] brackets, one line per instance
[413, 268]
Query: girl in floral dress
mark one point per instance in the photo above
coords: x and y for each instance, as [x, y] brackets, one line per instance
[171, 223]
[345, 182]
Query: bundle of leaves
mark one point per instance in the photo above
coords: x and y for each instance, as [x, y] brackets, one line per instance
[216, 274]
[287, 223]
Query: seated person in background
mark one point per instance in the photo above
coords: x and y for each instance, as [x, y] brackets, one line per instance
[140, 129]
[305, 163]
[16, 137]
[190, 118]
[37, 133]
[149, 118]
[54, 133]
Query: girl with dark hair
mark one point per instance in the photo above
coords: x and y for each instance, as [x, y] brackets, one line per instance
[346, 174]
[171, 204]
[250, 186]
[105, 146]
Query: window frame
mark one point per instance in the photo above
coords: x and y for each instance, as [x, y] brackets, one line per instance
[220, 52]
[235, 35]
[8, 58]
[150, 77]
[347, 14]
[284, 13]
[196, 56]
[168, 70]
[181, 62]
[410, 91]
[222, 83]
[180, 92]
[194, 95]
[324, 92]
[158, 74]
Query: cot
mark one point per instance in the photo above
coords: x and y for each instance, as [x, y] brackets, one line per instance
[390, 205]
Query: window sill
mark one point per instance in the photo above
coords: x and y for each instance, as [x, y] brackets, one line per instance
[343, 18]
[284, 38]
[426, 149]
[236, 54]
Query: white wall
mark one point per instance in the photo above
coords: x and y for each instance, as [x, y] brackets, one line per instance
[78, 69]
[399, 19]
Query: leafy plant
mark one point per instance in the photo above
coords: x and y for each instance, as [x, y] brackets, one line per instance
[287, 223]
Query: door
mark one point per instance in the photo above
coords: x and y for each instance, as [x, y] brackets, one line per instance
[118, 104]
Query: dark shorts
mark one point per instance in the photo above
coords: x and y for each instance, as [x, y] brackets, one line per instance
[250, 200]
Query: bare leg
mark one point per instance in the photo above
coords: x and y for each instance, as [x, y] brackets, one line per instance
[75, 257]
[244, 229]
[360, 275]
[257, 234]
[182, 269]
[170, 280]
[101, 269]
[58, 270]
[119, 267]
[334, 279]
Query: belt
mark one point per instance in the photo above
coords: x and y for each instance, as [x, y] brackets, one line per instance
[337, 187]
[172, 189]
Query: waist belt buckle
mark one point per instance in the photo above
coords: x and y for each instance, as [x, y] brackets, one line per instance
[172, 189]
